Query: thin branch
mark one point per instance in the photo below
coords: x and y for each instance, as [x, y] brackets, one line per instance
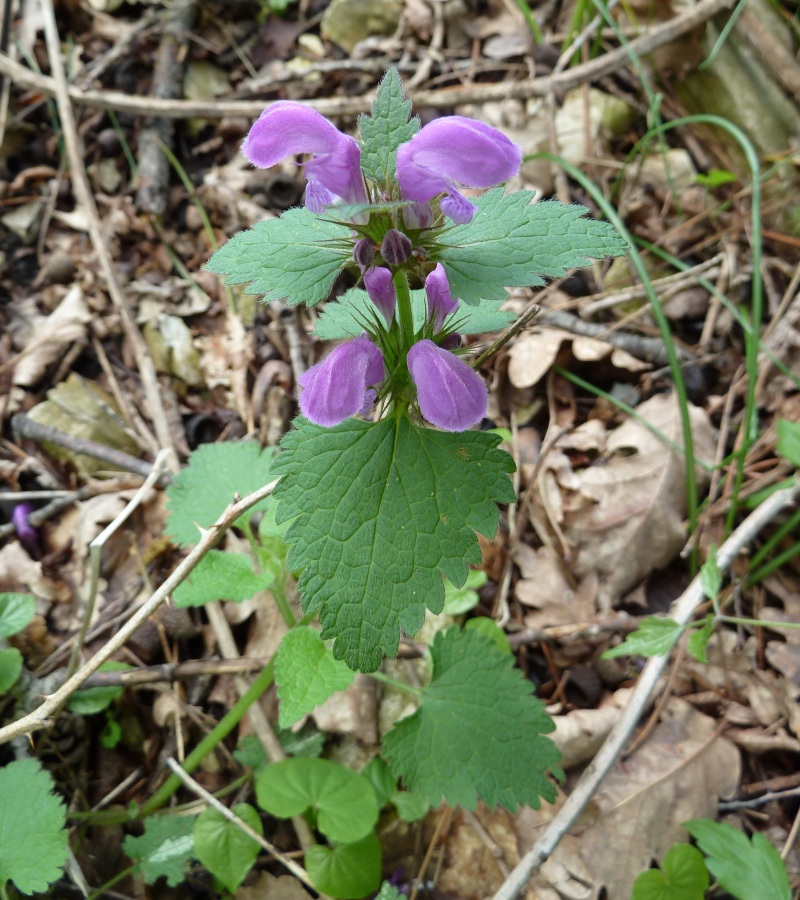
[85, 198]
[351, 106]
[682, 612]
[39, 718]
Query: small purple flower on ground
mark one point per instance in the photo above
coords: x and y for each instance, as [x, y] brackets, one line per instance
[334, 170]
[450, 394]
[381, 290]
[440, 301]
[339, 386]
[455, 150]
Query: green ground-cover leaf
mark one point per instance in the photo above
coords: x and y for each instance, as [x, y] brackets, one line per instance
[306, 674]
[512, 242]
[90, 701]
[10, 668]
[655, 636]
[788, 443]
[682, 876]
[165, 848]
[745, 868]
[216, 474]
[294, 258]
[347, 316]
[344, 801]
[410, 807]
[385, 129]
[221, 576]
[16, 611]
[479, 731]
[34, 843]
[459, 600]
[223, 848]
[380, 510]
[711, 576]
[348, 871]
[389, 892]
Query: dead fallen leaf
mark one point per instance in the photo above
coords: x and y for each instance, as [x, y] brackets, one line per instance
[535, 352]
[51, 336]
[580, 733]
[680, 773]
[625, 518]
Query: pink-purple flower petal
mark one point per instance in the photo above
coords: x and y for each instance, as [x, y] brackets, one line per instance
[450, 394]
[455, 150]
[287, 128]
[381, 290]
[339, 386]
[440, 301]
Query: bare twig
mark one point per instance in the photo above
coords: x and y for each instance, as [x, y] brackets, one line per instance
[85, 198]
[297, 870]
[40, 716]
[682, 611]
[350, 106]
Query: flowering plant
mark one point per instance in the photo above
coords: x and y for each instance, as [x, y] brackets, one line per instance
[383, 481]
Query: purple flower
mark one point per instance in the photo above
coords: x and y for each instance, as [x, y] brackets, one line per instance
[395, 247]
[338, 387]
[451, 395]
[453, 150]
[334, 170]
[381, 290]
[418, 215]
[440, 302]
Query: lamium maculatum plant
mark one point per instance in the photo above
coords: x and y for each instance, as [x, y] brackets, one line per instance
[382, 477]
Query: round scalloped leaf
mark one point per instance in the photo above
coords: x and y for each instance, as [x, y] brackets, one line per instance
[344, 801]
[348, 871]
[10, 668]
[16, 610]
[223, 848]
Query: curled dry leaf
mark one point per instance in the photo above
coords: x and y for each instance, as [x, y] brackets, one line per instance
[532, 356]
[51, 336]
[625, 518]
[580, 733]
[680, 773]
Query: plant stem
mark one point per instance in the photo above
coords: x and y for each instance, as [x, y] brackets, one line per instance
[404, 312]
[221, 730]
[397, 685]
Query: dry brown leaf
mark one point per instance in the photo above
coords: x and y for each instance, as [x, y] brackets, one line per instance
[626, 517]
[352, 711]
[580, 733]
[270, 887]
[51, 336]
[680, 773]
[535, 352]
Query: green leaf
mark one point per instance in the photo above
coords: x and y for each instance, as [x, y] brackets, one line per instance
[461, 600]
[746, 869]
[349, 871]
[16, 611]
[698, 640]
[221, 576]
[711, 575]
[216, 474]
[380, 510]
[682, 876]
[389, 892]
[294, 258]
[512, 242]
[223, 848]
[353, 312]
[306, 674]
[478, 733]
[10, 668]
[491, 630]
[344, 801]
[715, 178]
[410, 807]
[655, 636]
[34, 843]
[90, 701]
[788, 443]
[387, 128]
[164, 850]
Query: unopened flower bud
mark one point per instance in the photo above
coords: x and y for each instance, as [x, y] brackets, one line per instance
[364, 252]
[396, 247]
